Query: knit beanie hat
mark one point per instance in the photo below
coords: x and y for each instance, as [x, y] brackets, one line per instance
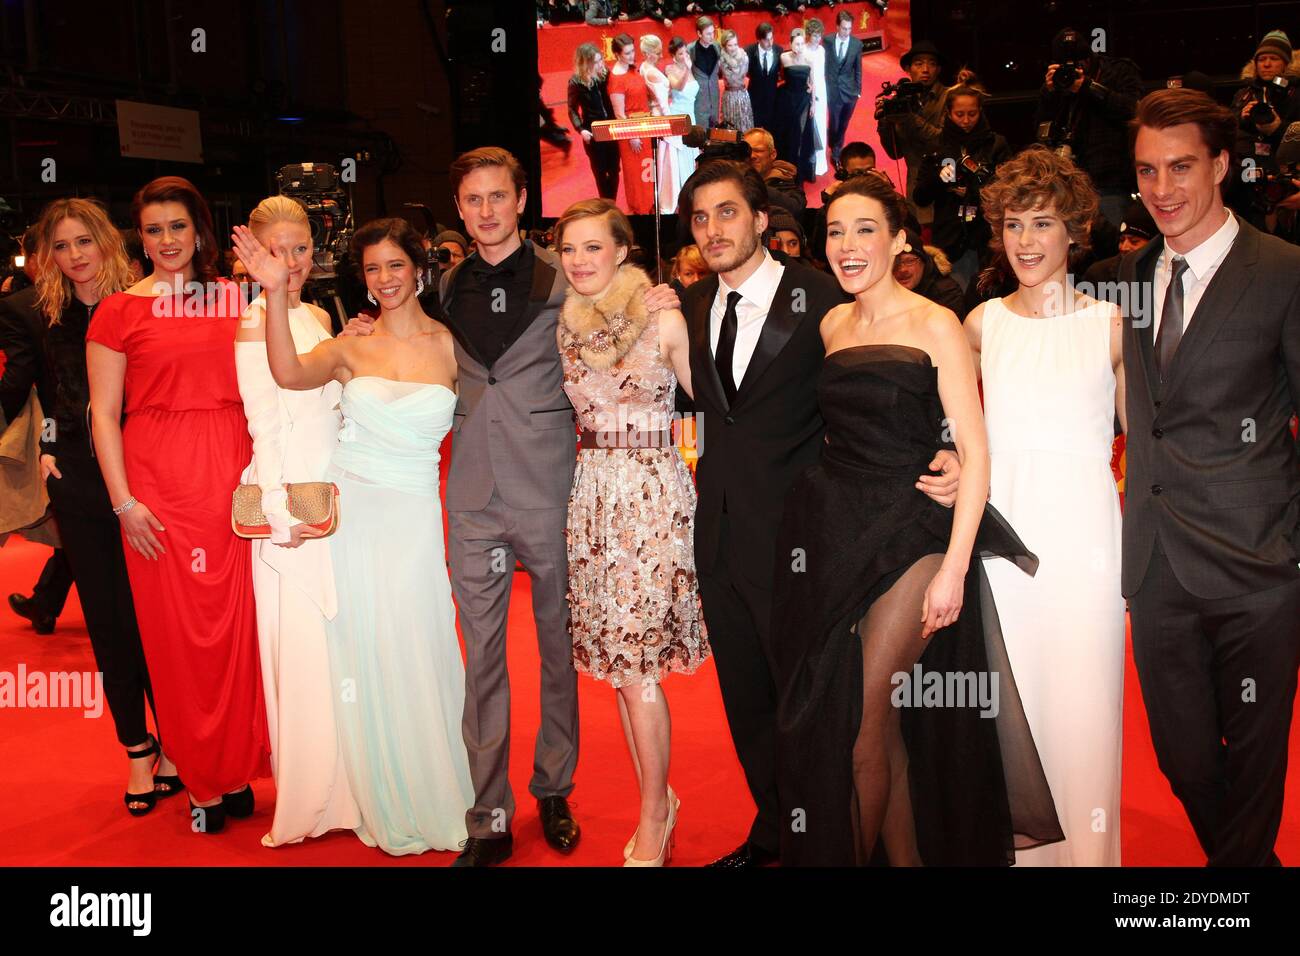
[1277, 43]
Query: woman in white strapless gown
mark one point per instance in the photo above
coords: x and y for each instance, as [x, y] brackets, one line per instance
[294, 435]
[395, 658]
[1053, 383]
[394, 653]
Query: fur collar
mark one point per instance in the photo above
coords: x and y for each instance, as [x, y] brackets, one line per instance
[605, 329]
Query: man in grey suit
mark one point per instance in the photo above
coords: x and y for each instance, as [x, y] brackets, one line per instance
[513, 454]
[1212, 509]
[705, 63]
[843, 80]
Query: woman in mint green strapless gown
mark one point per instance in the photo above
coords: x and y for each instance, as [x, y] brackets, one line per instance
[394, 656]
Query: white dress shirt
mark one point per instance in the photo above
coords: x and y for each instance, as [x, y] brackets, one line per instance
[765, 59]
[1202, 263]
[757, 293]
[840, 44]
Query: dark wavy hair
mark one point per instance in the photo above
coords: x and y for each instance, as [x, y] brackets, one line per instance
[181, 190]
[882, 191]
[711, 171]
[398, 231]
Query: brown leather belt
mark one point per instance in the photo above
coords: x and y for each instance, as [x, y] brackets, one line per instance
[630, 440]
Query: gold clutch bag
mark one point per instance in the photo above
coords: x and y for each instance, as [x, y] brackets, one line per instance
[314, 503]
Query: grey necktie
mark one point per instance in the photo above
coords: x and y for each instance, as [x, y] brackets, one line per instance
[1171, 320]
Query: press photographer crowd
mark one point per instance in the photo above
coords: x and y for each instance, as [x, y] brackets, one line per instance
[899, 539]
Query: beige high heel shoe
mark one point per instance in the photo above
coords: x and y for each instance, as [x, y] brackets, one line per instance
[672, 799]
[665, 848]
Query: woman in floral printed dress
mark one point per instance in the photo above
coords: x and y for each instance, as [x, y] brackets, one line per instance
[634, 607]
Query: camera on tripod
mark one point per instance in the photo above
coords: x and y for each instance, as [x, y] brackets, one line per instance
[898, 99]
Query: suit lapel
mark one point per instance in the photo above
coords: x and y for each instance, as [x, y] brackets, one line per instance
[1141, 322]
[542, 292]
[1220, 299]
[778, 327]
[702, 348]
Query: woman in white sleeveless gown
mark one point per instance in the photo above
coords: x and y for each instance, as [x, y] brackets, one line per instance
[820, 105]
[656, 82]
[294, 434]
[394, 654]
[1053, 383]
[682, 89]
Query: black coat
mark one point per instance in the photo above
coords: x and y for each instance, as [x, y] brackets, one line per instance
[952, 230]
[1099, 113]
[22, 334]
[752, 451]
[588, 104]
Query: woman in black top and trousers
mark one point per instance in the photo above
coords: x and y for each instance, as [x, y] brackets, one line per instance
[82, 260]
[588, 103]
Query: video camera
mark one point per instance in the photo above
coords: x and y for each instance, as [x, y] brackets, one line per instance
[898, 99]
[318, 189]
[717, 143]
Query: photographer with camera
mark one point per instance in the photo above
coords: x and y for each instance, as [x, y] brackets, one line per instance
[951, 177]
[779, 176]
[910, 113]
[1264, 108]
[1084, 107]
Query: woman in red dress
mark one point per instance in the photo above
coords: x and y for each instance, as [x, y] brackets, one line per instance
[628, 95]
[161, 353]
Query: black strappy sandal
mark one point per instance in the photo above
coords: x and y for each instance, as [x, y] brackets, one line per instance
[149, 799]
[171, 781]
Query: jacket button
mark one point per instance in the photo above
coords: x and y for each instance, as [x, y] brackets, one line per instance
[729, 420]
[491, 380]
[1156, 489]
[1158, 403]
[1158, 432]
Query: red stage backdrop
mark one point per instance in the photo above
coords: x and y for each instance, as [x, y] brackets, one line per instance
[567, 178]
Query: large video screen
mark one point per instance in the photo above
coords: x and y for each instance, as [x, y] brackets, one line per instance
[589, 70]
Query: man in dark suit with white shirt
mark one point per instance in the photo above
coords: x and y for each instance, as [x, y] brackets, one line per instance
[1212, 510]
[756, 352]
[764, 71]
[843, 79]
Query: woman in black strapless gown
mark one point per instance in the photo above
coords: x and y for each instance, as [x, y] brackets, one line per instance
[874, 764]
[796, 133]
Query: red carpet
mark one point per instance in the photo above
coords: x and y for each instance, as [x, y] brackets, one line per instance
[60, 802]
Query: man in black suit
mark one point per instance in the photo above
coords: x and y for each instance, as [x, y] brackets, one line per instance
[756, 351]
[843, 79]
[764, 70]
[1212, 516]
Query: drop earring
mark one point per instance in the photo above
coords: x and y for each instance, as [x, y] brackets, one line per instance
[371, 297]
[419, 286]
[198, 244]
